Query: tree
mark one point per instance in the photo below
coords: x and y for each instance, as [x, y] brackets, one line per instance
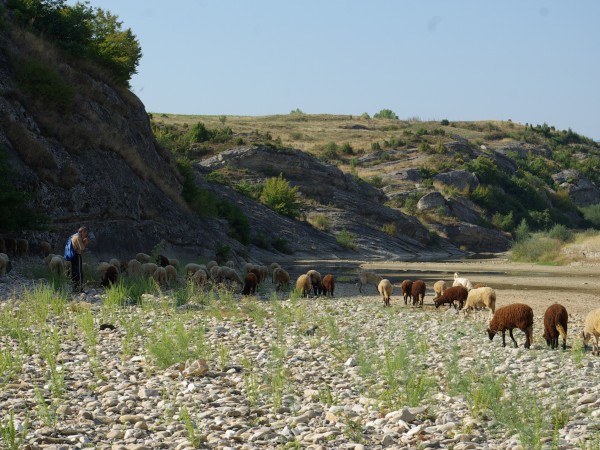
[278, 195]
[385, 114]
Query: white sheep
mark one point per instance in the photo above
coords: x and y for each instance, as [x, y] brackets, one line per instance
[48, 258]
[57, 266]
[272, 267]
[199, 277]
[211, 264]
[385, 288]
[439, 287]
[226, 273]
[591, 327]
[367, 278]
[134, 269]
[149, 269]
[191, 268]
[462, 282]
[5, 264]
[481, 297]
[143, 257]
[230, 264]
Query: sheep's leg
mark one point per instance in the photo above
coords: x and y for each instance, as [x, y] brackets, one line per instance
[503, 338]
[515, 341]
[529, 336]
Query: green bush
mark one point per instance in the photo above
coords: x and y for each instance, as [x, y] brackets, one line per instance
[592, 214]
[346, 239]
[538, 248]
[347, 149]
[522, 232]
[320, 221]
[560, 232]
[385, 114]
[46, 84]
[282, 245]
[278, 195]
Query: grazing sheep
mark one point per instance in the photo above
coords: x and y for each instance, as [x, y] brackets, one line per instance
[171, 274]
[406, 286]
[102, 268]
[11, 246]
[417, 292]
[256, 272]
[328, 285]
[480, 297]
[135, 269]
[115, 262]
[143, 258]
[210, 265]
[303, 285]
[149, 269]
[213, 273]
[452, 296]
[315, 281]
[367, 278]
[247, 267]
[225, 273]
[555, 324]
[230, 264]
[48, 258]
[250, 283]
[462, 282]
[22, 247]
[385, 288]
[264, 273]
[160, 276]
[110, 276]
[280, 278]
[5, 264]
[439, 287]
[191, 268]
[45, 249]
[199, 277]
[591, 327]
[516, 315]
[174, 262]
[272, 267]
[162, 260]
[57, 266]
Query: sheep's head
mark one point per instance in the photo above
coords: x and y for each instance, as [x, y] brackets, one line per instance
[437, 303]
[491, 334]
[585, 337]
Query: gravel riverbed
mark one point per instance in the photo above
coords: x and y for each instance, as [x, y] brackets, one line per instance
[225, 372]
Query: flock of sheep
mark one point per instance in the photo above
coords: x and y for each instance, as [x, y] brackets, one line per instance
[461, 295]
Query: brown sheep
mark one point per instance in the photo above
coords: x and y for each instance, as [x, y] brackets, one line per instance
[256, 273]
[162, 260]
[250, 283]
[406, 286]
[516, 315]
[328, 285]
[315, 280]
[174, 262]
[367, 278]
[199, 277]
[451, 296]
[385, 288]
[5, 264]
[417, 292]
[171, 274]
[160, 276]
[555, 324]
[110, 276]
[280, 278]
[303, 285]
[135, 269]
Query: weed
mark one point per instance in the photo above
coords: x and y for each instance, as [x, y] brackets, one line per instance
[46, 412]
[195, 439]
[346, 239]
[13, 435]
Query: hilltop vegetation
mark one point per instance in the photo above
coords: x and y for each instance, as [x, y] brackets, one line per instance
[517, 166]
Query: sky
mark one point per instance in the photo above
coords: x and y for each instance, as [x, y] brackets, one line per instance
[528, 61]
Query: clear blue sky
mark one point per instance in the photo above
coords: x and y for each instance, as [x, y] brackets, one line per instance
[528, 61]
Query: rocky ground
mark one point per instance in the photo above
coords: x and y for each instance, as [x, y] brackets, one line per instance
[223, 372]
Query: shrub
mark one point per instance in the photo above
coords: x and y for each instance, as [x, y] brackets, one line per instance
[375, 180]
[365, 115]
[389, 228]
[347, 149]
[375, 146]
[538, 248]
[199, 133]
[561, 233]
[385, 114]
[44, 83]
[346, 239]
[591, 214]
[522, 231]
[278, 195]
[280, 244]
[445, 122]
[505, 222]
[320, 221]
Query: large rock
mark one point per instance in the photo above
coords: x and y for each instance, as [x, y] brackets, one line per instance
[434, 201]
[460, 180]
[464, 209]
[581, 190]
[475, 238]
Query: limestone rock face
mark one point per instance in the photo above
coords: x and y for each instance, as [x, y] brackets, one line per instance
[580, 189]
[432, 201]
[475, 238]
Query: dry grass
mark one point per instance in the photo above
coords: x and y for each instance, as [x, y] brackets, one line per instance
[312, 132]
[586, 247]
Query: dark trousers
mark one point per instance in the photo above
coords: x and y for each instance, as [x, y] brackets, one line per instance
[77, 273]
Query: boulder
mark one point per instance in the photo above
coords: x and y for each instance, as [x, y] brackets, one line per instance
[460, 180]
[433, 201]
[475, 238]
[581, 190]
[464, 209]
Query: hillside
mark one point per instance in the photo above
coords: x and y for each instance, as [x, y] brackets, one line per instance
[77, 147]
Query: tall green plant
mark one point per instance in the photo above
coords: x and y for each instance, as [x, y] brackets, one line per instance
[278, 195]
